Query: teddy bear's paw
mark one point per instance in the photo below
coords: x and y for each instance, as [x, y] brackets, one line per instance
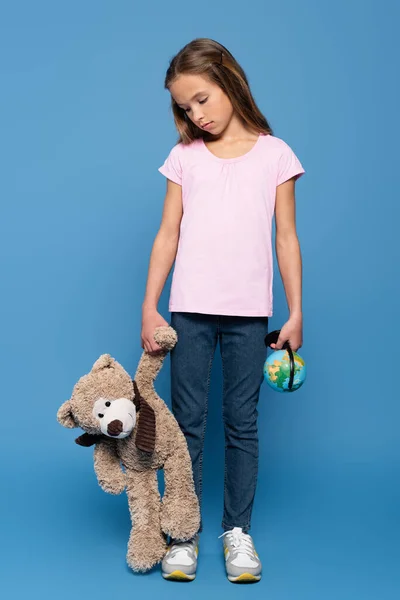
[166, 337]
[116, 485]
[179, 523]
[146, 548]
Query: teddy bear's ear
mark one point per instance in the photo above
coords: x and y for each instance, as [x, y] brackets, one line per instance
[105, 361]
[65, 416]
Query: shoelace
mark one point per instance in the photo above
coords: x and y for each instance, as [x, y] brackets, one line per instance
[181, 547]
[240, 541]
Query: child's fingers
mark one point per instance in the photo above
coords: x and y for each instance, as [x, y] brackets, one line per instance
[154, 347]
[278, 345]
[147, 345]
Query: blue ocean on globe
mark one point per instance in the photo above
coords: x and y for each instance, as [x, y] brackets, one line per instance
[277, 371]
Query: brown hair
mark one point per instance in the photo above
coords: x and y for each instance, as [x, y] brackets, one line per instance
[206, 57]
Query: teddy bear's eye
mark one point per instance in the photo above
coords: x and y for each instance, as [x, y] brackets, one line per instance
[101, 415]
[108, 403]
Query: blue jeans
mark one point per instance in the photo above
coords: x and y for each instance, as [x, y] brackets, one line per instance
[243, 353]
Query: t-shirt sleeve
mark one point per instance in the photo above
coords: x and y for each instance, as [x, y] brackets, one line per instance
[288, 166]
[172, 167]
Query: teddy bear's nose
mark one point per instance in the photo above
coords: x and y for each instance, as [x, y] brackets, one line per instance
[115, 427]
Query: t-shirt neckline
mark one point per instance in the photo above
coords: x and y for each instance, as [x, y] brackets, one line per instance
[236, 158]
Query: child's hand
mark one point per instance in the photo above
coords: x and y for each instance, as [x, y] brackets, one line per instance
[151, 319]
[291, 332]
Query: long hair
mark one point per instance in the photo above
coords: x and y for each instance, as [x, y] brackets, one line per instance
[206, 57]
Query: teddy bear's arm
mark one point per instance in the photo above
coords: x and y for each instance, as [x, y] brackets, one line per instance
[107, 466]
[180, 510]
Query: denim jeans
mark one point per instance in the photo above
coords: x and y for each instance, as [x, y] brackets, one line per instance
[243, 352]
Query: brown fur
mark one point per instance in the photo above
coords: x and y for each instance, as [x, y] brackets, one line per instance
[177, 514]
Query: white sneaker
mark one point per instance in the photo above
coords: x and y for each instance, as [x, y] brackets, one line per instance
[241, 559]
[180, 560]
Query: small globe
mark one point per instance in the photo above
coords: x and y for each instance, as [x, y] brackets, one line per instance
[277, 371]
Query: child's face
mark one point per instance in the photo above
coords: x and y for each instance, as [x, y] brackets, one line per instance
[203, 101]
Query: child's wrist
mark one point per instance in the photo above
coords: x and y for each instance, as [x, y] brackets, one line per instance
[296, 314]
[149, 307]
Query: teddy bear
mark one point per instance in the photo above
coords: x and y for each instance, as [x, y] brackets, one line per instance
[134, 435]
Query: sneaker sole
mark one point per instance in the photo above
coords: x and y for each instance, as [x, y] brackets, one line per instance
[244, 578]
[178, 576]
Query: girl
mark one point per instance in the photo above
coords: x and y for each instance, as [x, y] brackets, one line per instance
[227, 177]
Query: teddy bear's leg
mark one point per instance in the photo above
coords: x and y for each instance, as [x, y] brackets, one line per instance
[180, 511]
[147, 543]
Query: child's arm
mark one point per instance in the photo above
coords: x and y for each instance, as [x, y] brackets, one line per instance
[289, 261]
[161, 260]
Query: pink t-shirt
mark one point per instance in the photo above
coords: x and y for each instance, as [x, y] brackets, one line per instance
[224, 261]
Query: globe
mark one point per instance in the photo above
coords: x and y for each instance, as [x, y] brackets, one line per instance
[277, 371]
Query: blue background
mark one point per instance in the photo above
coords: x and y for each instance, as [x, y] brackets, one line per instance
[85, 123]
